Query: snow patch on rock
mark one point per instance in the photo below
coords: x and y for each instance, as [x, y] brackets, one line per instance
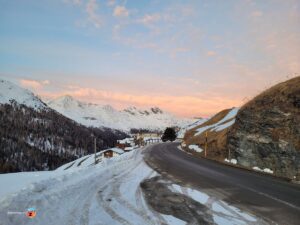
[196, 148]
[265, 170]
[233, 161]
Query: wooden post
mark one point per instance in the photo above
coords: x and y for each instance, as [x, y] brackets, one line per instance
[205, 149]
[95, 149]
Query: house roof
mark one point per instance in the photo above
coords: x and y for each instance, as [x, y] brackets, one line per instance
[116, 150]
[126, 140]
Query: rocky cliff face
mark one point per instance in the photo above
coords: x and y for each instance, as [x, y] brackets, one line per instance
[267, 131]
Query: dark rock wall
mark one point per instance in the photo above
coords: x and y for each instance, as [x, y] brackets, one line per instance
[267, 131]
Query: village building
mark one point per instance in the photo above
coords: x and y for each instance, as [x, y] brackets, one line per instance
[125, 143]
[112, 152]
[142, 135]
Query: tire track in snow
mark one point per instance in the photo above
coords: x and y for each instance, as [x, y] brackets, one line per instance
[104, 204]
[81, 214]
[110, 211]
[118, 196]
[139, 202]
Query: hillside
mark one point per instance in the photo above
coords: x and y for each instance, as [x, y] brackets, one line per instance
[89, 114]
[216, 129]
[263, 135]
[267, 130]
[36, 137]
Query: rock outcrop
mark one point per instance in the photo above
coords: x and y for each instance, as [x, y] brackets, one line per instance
[266, 133]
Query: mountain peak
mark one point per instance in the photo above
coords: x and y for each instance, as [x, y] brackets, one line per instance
[156, 110]
[65, 98]
[10, 92]
[66, 101]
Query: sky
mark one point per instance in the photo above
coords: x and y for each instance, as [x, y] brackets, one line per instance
[191, 58]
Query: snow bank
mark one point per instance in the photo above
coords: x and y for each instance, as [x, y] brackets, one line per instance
[233, 161]
[196, 148]
[265, 170]
[14, 182]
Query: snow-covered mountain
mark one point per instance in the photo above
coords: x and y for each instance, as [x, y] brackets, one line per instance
[10, 93]
[95, 115]
[35, 137]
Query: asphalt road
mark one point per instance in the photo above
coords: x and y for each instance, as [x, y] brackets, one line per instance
[274, 200]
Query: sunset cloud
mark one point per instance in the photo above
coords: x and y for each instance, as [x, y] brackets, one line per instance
[120, 11]
[34, 84]
[211, 53]
[256, 14]
[91, 9]
[176, 104]
[149, 19]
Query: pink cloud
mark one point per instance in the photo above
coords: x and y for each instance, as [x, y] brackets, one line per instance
[197, 106]
[256, 14]
[149, 19]
[93, 16]
[120, 11]
[211, 53]
[34, 84]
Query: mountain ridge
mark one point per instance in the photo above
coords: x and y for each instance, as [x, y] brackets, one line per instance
[90, 114]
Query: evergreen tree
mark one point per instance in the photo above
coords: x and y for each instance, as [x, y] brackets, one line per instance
[169, 134]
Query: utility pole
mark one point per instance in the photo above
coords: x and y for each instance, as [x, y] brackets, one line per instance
[95, 149]
[205, 149]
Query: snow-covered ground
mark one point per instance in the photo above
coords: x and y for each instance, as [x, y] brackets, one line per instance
[106, 193]
[222, 213]
[81, 192]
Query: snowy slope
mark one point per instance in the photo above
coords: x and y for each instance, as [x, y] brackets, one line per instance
[227, 121]
[10, 92]
[182, 131]
[104, 115]
[106, 193]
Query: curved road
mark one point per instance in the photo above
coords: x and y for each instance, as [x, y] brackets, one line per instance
[274, 200]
